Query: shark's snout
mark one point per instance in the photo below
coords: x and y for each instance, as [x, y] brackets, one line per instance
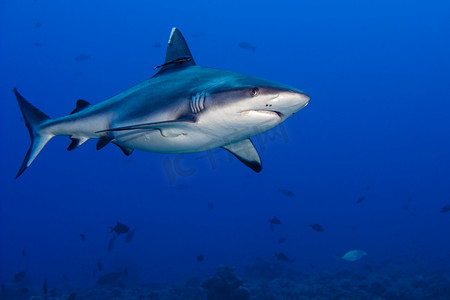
[291, 101]
[303, 100]
[307, 98]
[287, 102]
[301, 96]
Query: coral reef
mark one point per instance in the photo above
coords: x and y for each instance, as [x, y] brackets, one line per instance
[388, 281]
[225, 286]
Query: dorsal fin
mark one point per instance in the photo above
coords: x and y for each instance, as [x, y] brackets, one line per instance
[178, 54]
[81, 104]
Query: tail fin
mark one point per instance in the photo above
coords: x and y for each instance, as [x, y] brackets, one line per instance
[33, 119]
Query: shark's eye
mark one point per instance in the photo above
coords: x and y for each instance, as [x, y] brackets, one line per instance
[254, 92]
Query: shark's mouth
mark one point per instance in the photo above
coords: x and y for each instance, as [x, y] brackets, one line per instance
[262, 112]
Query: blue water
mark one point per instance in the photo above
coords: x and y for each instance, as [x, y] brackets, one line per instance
[377, 127]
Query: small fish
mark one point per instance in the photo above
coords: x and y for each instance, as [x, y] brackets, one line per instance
[281, 256]
[410, 199]
[286, 192]
[156, 45]
[120, 228]
[99, 265]
[19, 276]
[360, 200]
[111, 277]
[37, 44]
[23, 252]
[210, 206]
[275, 221]
[408, 209]
[72, 296]
[367, 187]
[130, 236]
[82, 57]
[282, 240]
[24, 290]
[111, 243]
[316, 227]
[44, 286]
[247, 46]
[200, 258]
[353, 255]
[445, 209]
[37, 25]
[53, 293]
[82, 237]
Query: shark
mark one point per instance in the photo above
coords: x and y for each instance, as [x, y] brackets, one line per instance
[183, 108]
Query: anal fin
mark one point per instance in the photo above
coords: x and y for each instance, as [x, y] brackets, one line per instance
[103, 141]
[76, 142]
[246, 153]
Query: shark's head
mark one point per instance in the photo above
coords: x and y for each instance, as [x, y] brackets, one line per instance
[224, 101]
[242, 101]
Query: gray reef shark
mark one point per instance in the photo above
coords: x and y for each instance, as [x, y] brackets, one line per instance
[183, 108]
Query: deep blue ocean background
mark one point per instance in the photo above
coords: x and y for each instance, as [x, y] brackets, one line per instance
[377, 126]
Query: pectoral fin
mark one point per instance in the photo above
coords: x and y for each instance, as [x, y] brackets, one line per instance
[246, 153]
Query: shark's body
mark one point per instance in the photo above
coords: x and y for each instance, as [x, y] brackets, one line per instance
[184, 108]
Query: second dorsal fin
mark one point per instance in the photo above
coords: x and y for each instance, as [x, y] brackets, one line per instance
[81, 104]
[178, 54]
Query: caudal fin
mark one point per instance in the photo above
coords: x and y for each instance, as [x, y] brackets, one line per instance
[33, 119]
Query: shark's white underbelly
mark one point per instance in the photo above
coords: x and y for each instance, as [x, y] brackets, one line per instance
[198, 137]
[154, 141]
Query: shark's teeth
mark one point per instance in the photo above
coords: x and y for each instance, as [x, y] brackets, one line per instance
[262, 112]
